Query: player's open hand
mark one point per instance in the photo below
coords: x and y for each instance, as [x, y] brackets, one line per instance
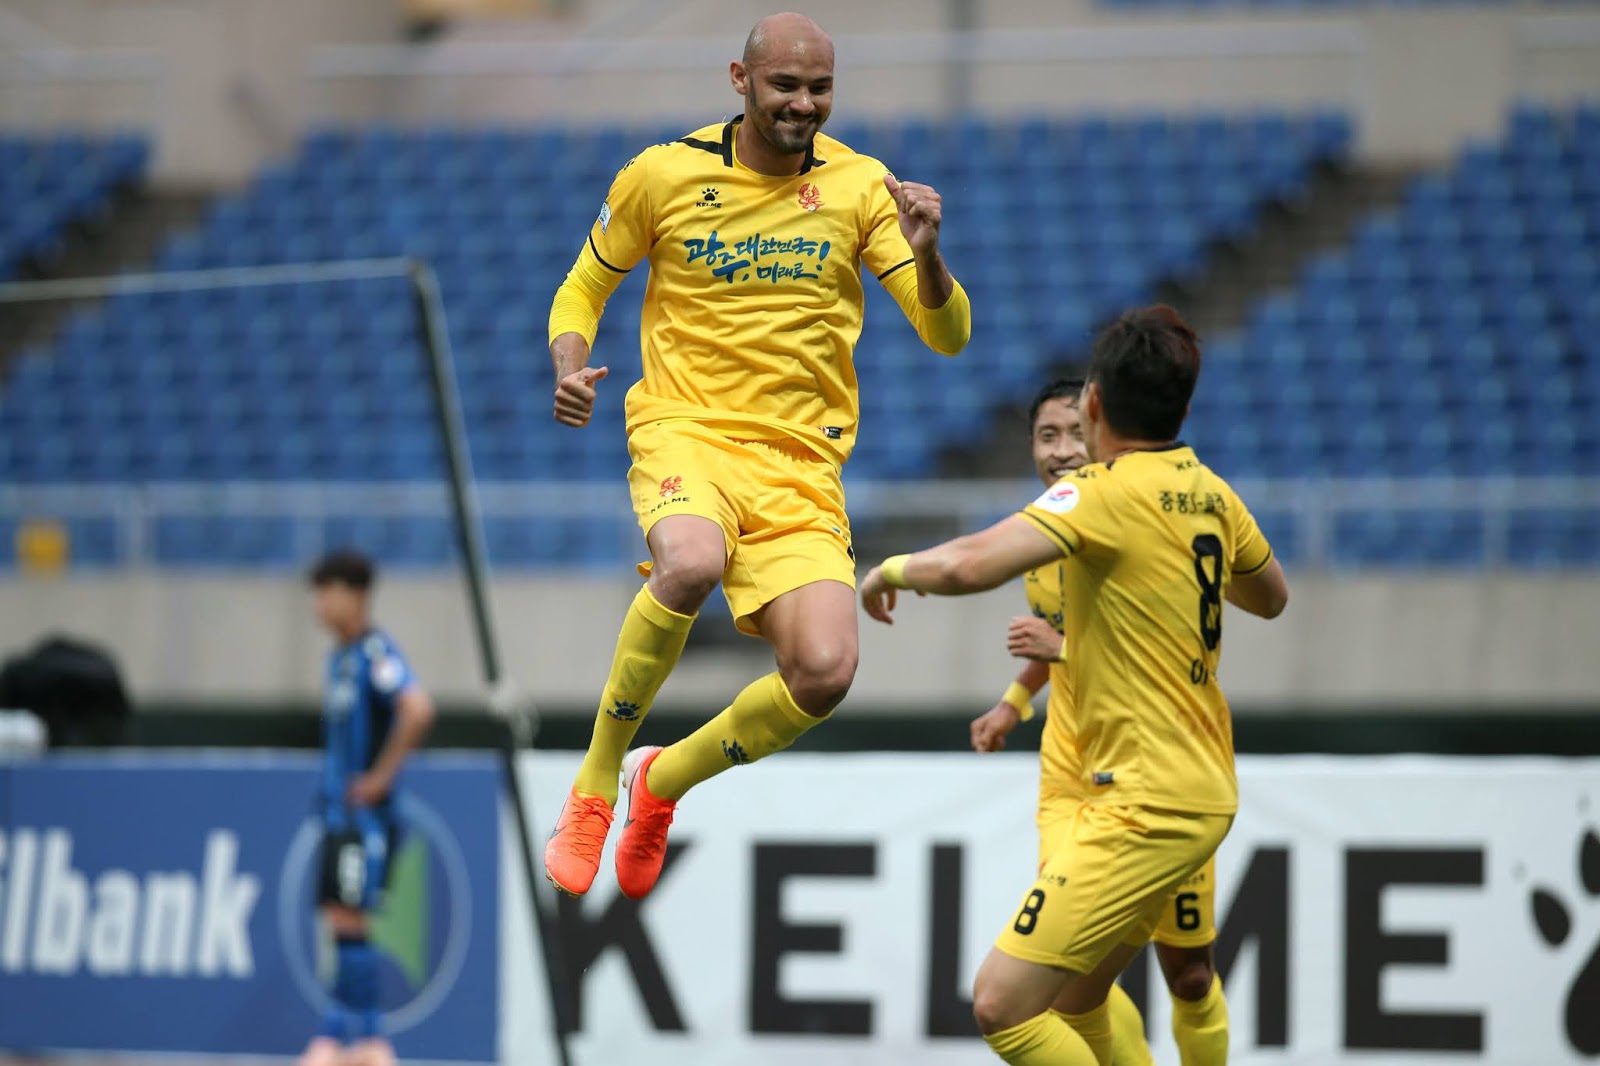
[575, 395]
[1033, 638]
[878, 597]
[921, 211]
[990, 729]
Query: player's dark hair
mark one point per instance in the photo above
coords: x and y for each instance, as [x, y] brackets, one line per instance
[1146, 363]
[345, 566]
[1066, 388]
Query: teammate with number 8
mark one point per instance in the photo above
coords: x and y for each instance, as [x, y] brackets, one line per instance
[1186, 932]
[1141, 618]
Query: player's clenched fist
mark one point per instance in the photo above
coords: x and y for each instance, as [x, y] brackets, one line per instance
[921, 211]
[990, 729]
[575, 395]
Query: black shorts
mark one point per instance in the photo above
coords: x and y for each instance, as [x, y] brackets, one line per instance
[355, 866]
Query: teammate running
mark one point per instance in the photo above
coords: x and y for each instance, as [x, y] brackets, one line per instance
[375, 713]
[756, 231]
[1186, 932]
[1154, 542]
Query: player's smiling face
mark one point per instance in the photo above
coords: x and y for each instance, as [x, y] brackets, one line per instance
[787, 99]
[1058, 439]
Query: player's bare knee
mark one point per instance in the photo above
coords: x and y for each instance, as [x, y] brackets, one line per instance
[991, 1010]
[819, 675]
[683, 577]
[1191, 980]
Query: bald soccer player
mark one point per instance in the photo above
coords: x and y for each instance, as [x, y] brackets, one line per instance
[756, 231]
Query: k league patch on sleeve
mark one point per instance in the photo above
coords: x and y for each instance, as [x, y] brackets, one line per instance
[605, 216]
[1059, 498]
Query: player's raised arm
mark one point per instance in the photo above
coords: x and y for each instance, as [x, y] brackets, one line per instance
[620, 237]
[902, 250]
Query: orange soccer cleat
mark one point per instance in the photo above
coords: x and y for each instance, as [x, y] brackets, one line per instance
[643, 847]
[572, 855]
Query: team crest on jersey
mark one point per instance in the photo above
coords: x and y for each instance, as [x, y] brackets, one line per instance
[671, 486]
[810, 197]
[1059, 498]
[605, 216]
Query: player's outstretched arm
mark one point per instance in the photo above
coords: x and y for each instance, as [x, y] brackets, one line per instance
[1264, 593]
[974, 563]
[413, 717]
[990, 729]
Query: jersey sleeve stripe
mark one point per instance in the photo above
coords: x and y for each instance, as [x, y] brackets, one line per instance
[1053, 533]
[602, 259]
[714, 147]
[1257, 568]
[897, 266]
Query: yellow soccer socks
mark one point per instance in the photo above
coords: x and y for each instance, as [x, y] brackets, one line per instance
[1043, 1040]
[648, 647]
[762, 719]
[1128, 1045]
[1095, 1029]
[1201, 1028]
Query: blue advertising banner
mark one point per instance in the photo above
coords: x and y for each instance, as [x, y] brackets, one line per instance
[167, 903]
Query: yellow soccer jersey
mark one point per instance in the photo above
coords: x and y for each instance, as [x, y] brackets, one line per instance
[1152, 540]
[754, 303]
[1060, 769]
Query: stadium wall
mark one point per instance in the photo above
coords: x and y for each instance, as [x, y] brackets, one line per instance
[1409, 911]
[239, 80]
[1443, 643]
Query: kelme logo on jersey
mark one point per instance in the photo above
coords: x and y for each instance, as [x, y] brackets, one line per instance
[421, 932]
[709, 198]
[1059, 498]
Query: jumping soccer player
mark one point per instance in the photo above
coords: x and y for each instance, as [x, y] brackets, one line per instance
[374, 714]
[1186, 932]
[1154, 542]
[756, 231]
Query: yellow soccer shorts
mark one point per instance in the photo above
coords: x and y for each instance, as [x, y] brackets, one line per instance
[780, 506]
[1108, 879]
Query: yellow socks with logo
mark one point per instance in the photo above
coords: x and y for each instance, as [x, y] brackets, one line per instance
[1043, 1040]
[762, 719]
[1201, 1028]
[648, 647]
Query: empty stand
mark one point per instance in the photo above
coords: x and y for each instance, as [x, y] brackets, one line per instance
[48, 182]
[1456, 336]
